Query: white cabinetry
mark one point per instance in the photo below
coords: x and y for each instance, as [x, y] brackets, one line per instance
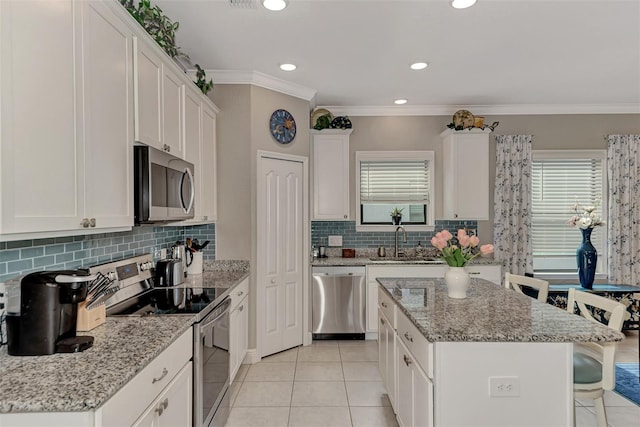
[330, 174]
[54, 176]
[387, 355]
[161, 394]
[158, 100]
[465, 165]
[239, 326]
[415, 390]
[200, 149]
[173, 407]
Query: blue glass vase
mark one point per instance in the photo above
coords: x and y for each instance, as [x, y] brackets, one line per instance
[587, 257]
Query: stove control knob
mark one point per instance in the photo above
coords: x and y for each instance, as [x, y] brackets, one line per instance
[111, 275]
[144, 266]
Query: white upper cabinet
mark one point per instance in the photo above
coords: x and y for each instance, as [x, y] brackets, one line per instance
[66, 132]
[200, 149]
[465, 170]
[108, 116]
[330, 151]
[158, 100]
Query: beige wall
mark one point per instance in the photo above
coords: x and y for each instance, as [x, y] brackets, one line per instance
[422, 133]
[243, 129]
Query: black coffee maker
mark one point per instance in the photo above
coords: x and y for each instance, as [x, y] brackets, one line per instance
[42, 312]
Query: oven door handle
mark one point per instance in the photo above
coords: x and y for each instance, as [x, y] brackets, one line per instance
[215, 319]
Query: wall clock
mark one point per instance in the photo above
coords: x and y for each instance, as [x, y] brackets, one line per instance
[283, 126]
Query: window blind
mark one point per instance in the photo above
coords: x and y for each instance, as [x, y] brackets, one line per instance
[556, 186]
[394, 181]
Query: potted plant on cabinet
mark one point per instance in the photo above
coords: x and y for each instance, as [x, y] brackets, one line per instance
[396, 215]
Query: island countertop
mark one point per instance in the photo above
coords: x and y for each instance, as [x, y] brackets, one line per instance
[490, 313]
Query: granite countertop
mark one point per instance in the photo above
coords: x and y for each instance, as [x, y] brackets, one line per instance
[490, 313]
[364, 260]
[122, 347]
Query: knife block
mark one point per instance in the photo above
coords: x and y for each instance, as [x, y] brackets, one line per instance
[89, 319]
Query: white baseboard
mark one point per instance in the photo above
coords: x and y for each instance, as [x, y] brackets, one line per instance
[251, 357]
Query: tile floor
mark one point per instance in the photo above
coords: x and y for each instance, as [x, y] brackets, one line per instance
[337, 383]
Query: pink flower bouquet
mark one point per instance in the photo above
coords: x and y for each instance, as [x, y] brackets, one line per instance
[458, 255]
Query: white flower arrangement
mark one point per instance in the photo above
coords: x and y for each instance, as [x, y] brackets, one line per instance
[585, 216]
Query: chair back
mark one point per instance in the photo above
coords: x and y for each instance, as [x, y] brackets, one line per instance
[605, 353]
[516, 282]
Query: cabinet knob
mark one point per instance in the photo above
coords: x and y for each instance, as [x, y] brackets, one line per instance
[162, 406]
[455, 215]
[273, 281]
[240, 293]
[85, 223]
[408, 337]
[346, 216]
[205, 218]
[92, 222]
[241, 308]
[407, 360]
[384, 304]
[382, 320]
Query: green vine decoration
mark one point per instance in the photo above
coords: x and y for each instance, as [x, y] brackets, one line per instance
[157, 24]
[204, 85]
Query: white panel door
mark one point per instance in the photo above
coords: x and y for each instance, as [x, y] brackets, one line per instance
[172, 107]
[108, 113]
[41, 151]
[280, 212]
[148, 95]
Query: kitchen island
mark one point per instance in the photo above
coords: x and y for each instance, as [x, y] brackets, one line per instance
[75, 389]
[496, 358]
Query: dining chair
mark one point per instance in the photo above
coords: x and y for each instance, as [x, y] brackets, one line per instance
[517, 282]
[594, 367]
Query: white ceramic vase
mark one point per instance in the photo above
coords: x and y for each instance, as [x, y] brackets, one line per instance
[457, 280]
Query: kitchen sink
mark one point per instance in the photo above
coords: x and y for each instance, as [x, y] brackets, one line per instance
[413, 260]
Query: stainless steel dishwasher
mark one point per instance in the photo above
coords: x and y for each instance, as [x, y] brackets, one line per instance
[338, 302]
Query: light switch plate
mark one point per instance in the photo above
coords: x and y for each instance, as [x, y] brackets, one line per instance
[335, 240]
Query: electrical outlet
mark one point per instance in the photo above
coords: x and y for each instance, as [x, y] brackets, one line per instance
[163, 253]
[335, 240]
[504, 386]
[3, 297]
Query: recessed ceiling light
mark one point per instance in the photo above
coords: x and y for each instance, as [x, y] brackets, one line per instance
[400, 101]
[274, 5]
[287, 67]
[462, 4]
[419, 65]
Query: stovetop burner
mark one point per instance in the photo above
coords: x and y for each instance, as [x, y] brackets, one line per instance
[158, 301]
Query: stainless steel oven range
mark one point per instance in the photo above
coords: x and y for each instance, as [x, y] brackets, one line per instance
[138, 297]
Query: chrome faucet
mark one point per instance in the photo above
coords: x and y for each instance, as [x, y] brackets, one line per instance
[400, 252]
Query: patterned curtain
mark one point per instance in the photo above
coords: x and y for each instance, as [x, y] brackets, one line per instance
[512, 203]
[623, 163]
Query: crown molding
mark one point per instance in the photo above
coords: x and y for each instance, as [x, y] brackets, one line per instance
[515, 109]
[256, 78]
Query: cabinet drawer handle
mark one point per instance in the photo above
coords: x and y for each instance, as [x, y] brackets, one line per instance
[164, 374]
[474, 272]
[382, 320]
[407, 361]
[408, 337]
[240, 293]
[384, 304]
[162, 406]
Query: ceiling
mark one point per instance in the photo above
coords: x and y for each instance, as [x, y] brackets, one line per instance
[501, 56]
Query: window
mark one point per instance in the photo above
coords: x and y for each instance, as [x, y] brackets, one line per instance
[394, 179]
[559, 178]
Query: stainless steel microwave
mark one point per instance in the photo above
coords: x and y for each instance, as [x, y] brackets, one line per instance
[164, 186]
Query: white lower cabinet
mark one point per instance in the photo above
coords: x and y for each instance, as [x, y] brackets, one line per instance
[159, 395]
[238, 327]
[387, 356]
[174, 405]
[415, 390]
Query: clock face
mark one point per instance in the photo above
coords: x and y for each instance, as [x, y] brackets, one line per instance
[283, 126]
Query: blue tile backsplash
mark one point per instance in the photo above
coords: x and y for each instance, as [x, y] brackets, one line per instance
[25, 256]
[372, 239]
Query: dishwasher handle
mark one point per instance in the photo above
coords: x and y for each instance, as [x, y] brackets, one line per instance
[337, 275]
